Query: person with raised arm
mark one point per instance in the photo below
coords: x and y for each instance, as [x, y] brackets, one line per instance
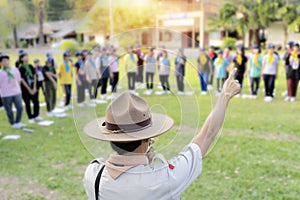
[131, 173]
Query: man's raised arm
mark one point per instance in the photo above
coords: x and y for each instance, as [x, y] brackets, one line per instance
[214, 121]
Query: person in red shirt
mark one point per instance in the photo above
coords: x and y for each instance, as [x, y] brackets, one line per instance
[286, 55]
[140, 69]
[293, 73]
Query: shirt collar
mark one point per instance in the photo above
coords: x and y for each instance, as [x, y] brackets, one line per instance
[118, 164]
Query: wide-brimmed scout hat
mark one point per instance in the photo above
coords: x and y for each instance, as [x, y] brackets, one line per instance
[128, 118]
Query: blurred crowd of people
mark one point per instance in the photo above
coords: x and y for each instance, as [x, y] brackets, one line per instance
[255, 66]
[98, 71]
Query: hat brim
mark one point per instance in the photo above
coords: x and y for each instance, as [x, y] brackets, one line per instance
[160, 124]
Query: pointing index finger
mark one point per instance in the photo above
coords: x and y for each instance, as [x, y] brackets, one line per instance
[231, 76]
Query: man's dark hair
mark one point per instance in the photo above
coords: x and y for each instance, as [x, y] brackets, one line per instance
[125, 147]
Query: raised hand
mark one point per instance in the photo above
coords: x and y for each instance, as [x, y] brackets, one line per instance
[231, 87]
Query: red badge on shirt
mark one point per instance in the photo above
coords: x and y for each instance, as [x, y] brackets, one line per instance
[171, 166]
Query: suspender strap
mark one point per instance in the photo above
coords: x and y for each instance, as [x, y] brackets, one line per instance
[97, 182]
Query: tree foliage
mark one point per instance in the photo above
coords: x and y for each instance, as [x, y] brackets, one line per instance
[30, 11]
[59, 10]
[81, 7]
[9, 20]
[226, 18]
[124, 19]
[9, 8]
[257, 14]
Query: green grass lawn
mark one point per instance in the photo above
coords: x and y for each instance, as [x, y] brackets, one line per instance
[256, 157]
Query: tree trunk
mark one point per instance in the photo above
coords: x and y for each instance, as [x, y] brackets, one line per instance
[15, 33]
[256, 33]
[285, 36]
[226, 33]
[14, 25]
[40, 20]
[243, 38]
[263, 35]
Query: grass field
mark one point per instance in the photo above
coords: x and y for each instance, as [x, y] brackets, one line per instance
[256, 157]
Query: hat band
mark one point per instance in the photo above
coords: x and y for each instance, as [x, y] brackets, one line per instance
[115, 128]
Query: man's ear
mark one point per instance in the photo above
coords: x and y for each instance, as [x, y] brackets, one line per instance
[145, 140]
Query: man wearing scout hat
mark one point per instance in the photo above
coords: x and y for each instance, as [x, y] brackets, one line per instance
[131, 174]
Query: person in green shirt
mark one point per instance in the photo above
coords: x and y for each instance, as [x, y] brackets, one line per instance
[255, 66]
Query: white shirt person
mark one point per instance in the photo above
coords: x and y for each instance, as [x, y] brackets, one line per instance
[132, 173]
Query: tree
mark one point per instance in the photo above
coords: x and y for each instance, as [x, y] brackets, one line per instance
[39, 15]
[248, 20]
[289, 16]
[226, 18]
[242, 21]
[81, 7]
[59, 10]
[233, 17]
[255, 15]
[265, 13]
[10, 19]
[295, 25]
[98, 20]
[30, 12]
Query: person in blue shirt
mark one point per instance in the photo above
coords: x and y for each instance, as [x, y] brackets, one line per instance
[164, 72]
[220, 64]
[180, 62]
[255, 66]
[150, 70]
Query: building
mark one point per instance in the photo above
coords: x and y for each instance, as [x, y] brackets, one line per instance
[29, 34]
[88, 35]
[276, 34]
[65, 30]
[191, 18]
[178, 23]
[53, 31]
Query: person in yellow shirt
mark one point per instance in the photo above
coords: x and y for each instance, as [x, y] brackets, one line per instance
[65, 75]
